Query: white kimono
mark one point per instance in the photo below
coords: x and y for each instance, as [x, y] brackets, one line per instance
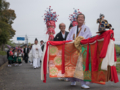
[30, 56]
[85, 32]
[36, 54]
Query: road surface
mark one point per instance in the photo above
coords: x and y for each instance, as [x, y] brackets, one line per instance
[26, 78]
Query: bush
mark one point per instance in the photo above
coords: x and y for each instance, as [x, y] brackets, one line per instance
[2, 53]
[118, 68]
[117, 47]
[118, 59]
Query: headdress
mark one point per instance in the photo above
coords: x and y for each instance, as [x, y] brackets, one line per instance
[72, 17]
[36, 39]
[103, 24]
[102, 15]
[50, 18]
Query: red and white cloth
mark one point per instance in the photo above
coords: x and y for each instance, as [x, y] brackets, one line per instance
[108, 53]
[45, 59]
[109, 58]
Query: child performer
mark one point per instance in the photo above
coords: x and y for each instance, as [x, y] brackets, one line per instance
[19, 58]
[10, 58]
[15, 57]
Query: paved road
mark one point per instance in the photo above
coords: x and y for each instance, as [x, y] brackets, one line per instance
[27, 78]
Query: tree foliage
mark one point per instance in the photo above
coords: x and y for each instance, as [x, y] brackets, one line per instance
[7, 16]
[11, 43]
[4, 35]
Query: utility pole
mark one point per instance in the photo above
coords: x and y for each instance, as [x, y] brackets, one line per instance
[26, 38]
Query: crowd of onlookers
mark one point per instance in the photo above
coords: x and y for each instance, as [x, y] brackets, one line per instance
[16, 55]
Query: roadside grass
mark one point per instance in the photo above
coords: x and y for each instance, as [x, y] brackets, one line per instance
[2, 53]
[118, 59]
[118, 68]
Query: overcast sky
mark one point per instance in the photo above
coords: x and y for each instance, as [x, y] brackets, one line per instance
[30, 22]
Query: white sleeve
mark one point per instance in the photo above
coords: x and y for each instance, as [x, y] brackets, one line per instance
[70, 35]
[40, 51]
[89, 34]
[33, 51]
[30, 56]
[30, 53]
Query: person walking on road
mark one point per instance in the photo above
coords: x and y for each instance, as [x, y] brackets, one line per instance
[36, 54]
[26, 51]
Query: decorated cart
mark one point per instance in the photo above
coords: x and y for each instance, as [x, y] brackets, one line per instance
[92, 59]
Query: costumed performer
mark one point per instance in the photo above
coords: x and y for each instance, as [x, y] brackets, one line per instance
[36, 54]
[80, 30]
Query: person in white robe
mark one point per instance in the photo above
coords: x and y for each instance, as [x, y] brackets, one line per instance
[42, 49]
[30, 57]
[36, 54]
[75, 31]
[79, 30]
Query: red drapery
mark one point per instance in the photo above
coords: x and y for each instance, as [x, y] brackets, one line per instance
[114, 74]
[45, 56]
[107, 36]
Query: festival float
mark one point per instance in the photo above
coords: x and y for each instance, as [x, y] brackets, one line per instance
[93, 59]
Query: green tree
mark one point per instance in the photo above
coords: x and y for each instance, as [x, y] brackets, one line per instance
[7, 16]
[4, 36]
[0, 31]
[11, 43]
